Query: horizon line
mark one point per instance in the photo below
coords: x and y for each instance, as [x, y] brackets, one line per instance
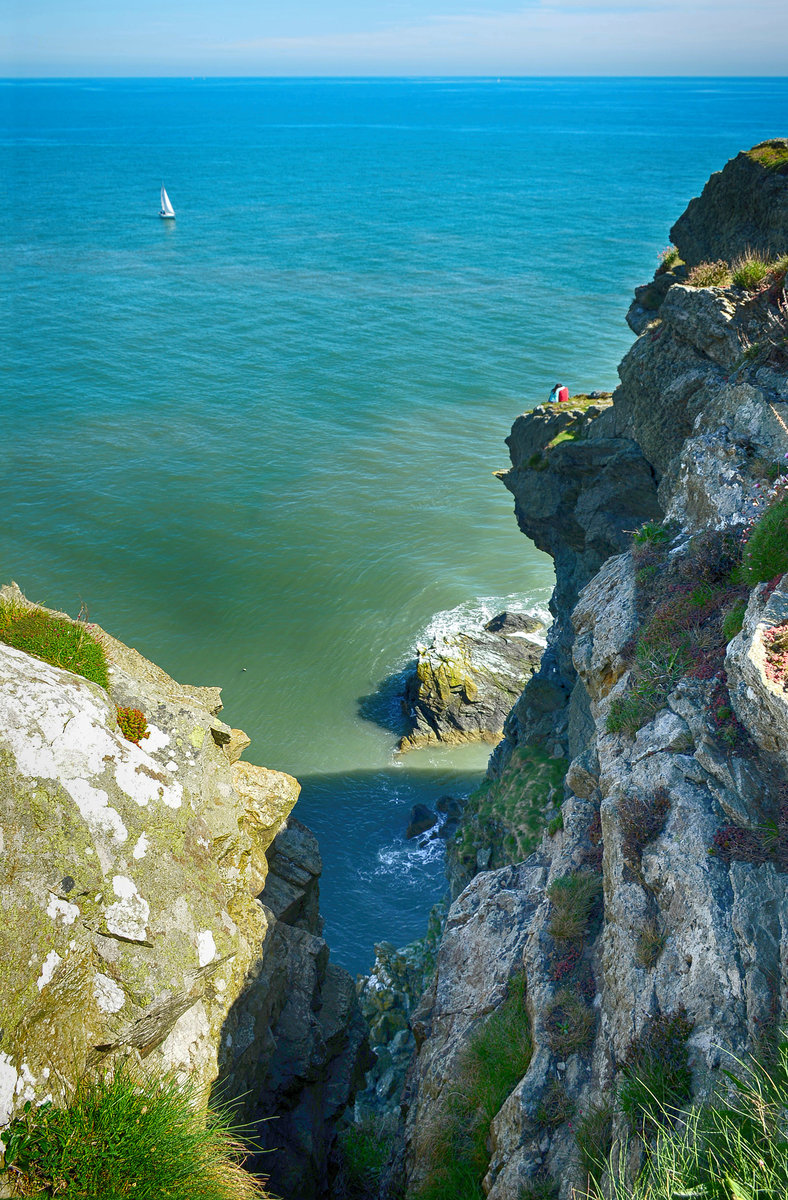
[496, 78]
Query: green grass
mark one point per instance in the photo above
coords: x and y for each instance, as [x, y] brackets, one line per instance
[594, 1137]
[363, 1149]
[509, 814]
[770, 154]
[120, 1136]
[650, 943]
[733, 621]
[495, 1061]
[766, 550]
[580, 402]
[569, 1024]
[62, 643]
[656, 1078]
[710, 274]
[750, 271]
[574, 898]
[651, 532]
[555, 1106]
[566, 435]
[734, 1146]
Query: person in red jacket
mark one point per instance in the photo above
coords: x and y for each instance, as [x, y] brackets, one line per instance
[559, 393]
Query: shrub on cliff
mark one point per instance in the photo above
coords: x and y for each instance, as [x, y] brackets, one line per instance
[63, 643]
[710, 274]
[122, 1136]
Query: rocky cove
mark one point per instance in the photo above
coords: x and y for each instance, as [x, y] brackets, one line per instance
[618, 886]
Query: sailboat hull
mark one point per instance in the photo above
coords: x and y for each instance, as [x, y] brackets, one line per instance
[167, 216]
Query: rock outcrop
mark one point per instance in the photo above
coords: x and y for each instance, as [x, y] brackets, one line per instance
[651, 920]
[461, 687]
[131, 922]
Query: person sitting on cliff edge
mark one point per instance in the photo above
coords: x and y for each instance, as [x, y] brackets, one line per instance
[559, 393]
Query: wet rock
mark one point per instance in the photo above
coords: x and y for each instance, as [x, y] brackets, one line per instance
[513, 622]
[421, 819]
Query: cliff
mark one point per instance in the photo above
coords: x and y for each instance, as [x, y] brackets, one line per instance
[159, 903]
[645, 938]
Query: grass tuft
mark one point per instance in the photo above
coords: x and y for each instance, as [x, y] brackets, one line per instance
[120, 1136]
[751, 271]
[363, 1150]
[642, 818]
[56, 640]
[733, 621]
[574, 899]
[650, 943]
[710, 274]
[569, 1023]
[594, 1137]
[555, 1106]
[656, 1076]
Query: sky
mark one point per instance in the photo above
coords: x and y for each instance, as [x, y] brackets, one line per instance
[53, 38]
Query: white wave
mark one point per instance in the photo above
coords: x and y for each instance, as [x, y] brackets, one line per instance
[473, 615]
[407, 860]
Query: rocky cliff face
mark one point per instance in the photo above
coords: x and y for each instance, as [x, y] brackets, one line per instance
[157, 903]
[651, 922]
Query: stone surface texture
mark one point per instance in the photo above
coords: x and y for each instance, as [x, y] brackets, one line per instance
[679, 925]
[462, 686]
[131, 922]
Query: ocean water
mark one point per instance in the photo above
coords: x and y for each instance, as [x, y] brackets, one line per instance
[258, 442]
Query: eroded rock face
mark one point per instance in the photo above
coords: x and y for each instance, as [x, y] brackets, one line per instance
[578, 494]
[130, 923]
[123, 927]
[742, 208]
[673, 819]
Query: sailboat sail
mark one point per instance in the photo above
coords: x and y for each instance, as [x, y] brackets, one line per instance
[166, 208]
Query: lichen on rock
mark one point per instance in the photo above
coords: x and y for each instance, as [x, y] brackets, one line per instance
[130, 917]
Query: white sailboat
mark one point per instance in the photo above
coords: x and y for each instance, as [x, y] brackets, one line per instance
[166, 208]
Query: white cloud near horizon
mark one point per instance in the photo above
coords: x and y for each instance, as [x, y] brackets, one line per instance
[555, 37]
[543, 37]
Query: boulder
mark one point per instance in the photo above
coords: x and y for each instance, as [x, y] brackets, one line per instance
[461, 687]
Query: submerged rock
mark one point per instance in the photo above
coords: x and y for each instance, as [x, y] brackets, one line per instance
[421, 819]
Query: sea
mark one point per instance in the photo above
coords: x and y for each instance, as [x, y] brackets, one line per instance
[258, 442]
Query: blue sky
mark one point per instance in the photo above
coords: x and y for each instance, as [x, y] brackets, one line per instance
[393, 37]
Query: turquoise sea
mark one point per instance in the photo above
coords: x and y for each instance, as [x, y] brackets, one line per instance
[257, 443]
